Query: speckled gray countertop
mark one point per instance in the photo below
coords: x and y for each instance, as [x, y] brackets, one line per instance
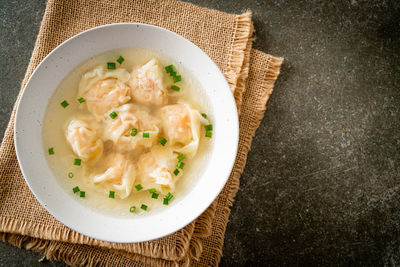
[322, 181]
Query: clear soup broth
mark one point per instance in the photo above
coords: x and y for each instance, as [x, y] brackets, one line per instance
[128, 132]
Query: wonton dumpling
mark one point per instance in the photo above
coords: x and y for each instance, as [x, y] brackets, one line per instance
[181, 125]
[83, 140]
[104, 89]
[119, 176]
[155, 170]
[147, 84]
[129, 117]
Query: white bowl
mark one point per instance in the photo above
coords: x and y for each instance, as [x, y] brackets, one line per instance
[31, 154]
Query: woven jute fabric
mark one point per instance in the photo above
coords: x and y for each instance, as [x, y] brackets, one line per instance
[226, 38]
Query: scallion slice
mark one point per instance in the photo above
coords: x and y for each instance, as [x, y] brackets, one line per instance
[113, 115]
[175, 88]
[111, 194]
[120, 59]
[70, 175]
[146, 135]
[169, 68]
[143, 207]
[82, 194]
[180, 165]
[154, 195]
[51, 151]
[169, 196]
[81, 100]
[75, 189]
[165, 201]
[77, 162]
[111, 65]
[163, 141]
[177, 78]
[152, 190]
[132, 209]
[64, 104]
[181, 157]
[204, 115]
[134, 132]
[176, 172]
[209, 134]
[138, 187]
[209, 127]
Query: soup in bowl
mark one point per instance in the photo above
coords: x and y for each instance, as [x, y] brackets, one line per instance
[126, 132]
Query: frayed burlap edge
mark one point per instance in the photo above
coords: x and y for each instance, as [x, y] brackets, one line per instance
[242, 35]
[244, 72]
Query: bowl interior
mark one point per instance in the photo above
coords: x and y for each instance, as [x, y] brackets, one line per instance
[31, 112]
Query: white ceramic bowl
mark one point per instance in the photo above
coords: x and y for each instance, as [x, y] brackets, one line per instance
[31, 153]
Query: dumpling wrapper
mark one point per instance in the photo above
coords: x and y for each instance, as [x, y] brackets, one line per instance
[104, 89]
[83, 140]
[181, 125]
[147, 84]
[130, 117]
[119, 176]
[156, 170]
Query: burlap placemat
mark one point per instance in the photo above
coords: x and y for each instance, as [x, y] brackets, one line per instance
[226, 38]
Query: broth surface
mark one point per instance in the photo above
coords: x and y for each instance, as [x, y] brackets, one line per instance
[57, 119]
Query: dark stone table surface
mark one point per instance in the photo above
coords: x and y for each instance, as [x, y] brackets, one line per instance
[322, 181]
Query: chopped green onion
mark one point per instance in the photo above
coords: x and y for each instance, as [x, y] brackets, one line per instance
[51, 151]
[111, 194]
[177, 78]
[163, 141]
[152, 190]
[77, 162]
[113, 115]
[111, 65]
[180, 165]
[146, 135]
[169, 196]
[169, 68]
[181, 157]
[208, 127]
[204, 115]
[81, 100]
[75, 189]
[132, 209]
[64, 104]
[70, 175]
[134, 132]
[154, 195]
[139, 187]
[175, 88]
[82, 194]
[176, 172]
[143, 207]
[120, 59]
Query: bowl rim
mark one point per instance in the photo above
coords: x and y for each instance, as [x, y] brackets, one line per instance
[178, 226]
